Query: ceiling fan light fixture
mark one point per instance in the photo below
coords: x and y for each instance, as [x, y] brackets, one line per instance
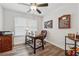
[33, 7]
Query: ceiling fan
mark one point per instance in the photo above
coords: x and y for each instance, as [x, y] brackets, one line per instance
[34, 6]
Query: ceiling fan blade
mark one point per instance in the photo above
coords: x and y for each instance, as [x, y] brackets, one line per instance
[42, 5]
[38, 11]
[24, 4]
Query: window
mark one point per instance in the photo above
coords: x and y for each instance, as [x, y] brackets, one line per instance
[21, 24]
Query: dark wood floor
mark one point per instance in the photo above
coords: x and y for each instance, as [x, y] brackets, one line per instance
[25, 50]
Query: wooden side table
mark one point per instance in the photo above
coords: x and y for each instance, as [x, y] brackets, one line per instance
[75, 43]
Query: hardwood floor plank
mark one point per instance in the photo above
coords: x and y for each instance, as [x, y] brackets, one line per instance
[25, 50]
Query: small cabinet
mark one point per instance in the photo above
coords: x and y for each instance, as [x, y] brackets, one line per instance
[5, 43]
[0, 45]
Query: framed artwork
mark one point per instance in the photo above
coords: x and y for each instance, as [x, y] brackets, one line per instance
[64, 22]
[48, 24]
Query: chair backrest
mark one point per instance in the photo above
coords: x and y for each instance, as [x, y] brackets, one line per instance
[44, 33]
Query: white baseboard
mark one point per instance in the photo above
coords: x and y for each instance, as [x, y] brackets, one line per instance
[19, 40]
[55, 44]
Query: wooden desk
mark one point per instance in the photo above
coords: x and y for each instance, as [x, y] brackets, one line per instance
[75, 42]
[33, 41]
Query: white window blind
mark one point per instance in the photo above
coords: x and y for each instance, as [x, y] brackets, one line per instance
[22, 23]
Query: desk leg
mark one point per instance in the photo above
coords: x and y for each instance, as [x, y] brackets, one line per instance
[34, 46]
[65, 46]
[25, 39]
[75, 47]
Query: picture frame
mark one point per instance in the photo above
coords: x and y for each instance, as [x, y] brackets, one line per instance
[48, 24]
[64, 22]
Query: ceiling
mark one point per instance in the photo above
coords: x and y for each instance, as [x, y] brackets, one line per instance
[23, 8]
[44, 10]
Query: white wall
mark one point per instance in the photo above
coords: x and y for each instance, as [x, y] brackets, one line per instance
[55, 35]
[9, 17]
[77, 20]
[1, 18]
